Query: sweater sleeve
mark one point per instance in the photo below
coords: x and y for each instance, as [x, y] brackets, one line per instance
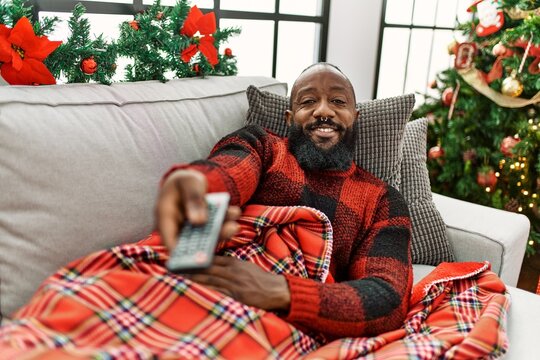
[234, 164]
[375, 299]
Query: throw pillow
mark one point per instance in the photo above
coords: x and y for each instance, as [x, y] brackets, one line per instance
[430, 245]
[380, 129]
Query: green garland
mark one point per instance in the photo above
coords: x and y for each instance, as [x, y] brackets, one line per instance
[12, 11]
[67, 60]
[151, 43]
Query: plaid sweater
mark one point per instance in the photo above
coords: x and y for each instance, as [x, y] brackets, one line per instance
[371, 271]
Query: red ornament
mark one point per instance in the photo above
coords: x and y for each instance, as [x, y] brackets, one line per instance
[228, 52]
[507, 144]
[447, 96]
[159, 15]
[436, 152]
[196, 68]
[89, 65]
[486, 178]
[465, 56]
[490, 16]
[22, 54]
[134, 25]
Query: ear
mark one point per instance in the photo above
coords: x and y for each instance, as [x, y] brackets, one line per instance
[288, 117]
[357, 114]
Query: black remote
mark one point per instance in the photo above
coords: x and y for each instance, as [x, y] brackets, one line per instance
[196, 245]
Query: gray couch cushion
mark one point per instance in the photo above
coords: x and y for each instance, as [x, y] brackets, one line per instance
[380, 129]
[430, 244]
[479, 233]
[80, 164]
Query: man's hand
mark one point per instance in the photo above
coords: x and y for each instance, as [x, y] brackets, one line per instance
[245, 282]
[182, 198]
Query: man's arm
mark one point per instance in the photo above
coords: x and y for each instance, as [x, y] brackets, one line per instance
[234, 165]
[376, 298]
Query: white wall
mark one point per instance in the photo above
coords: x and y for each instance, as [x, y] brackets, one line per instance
[353, 41]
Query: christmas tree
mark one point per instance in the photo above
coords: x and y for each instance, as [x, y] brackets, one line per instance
[484, 133]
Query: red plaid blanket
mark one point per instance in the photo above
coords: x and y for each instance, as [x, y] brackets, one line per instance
[123, 304]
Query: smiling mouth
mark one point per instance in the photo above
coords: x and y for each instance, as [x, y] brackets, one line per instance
[324, 131]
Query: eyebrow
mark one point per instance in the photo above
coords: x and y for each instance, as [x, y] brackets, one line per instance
[311, 88]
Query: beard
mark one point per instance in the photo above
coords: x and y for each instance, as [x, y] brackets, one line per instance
[312, 158]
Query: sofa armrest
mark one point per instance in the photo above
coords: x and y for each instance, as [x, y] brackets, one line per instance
[478, 233]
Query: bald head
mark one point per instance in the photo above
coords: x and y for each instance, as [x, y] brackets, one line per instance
[318, 68]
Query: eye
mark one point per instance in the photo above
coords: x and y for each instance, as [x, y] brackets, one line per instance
[307, 101]
[339, 101]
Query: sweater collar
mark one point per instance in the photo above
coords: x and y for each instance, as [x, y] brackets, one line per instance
[340, 173]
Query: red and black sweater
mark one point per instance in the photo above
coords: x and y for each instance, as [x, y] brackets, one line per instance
[371, 261]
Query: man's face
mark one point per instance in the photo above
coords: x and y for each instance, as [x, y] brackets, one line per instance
[323, 106]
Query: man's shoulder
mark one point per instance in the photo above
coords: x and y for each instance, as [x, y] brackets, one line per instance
[367, 176]
[260, 130]
[255, 133]
[376, 182]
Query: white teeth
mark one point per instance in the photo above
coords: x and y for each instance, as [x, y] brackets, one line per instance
[325, 129]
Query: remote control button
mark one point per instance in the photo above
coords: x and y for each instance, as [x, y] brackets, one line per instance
[200, 257]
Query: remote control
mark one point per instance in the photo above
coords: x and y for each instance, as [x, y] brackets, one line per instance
[196, 244]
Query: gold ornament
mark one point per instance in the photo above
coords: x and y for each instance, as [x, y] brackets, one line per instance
[452, 47]
[512, 87]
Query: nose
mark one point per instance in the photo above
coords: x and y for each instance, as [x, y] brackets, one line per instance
[324, 110]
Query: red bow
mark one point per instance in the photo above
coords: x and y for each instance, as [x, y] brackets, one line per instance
[497, 69]
[533, 51]
[206, 26]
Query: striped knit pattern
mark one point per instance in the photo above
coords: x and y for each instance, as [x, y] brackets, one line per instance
[370, 262]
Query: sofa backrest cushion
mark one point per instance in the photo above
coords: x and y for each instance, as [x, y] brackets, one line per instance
[80, 164]
[430, 244]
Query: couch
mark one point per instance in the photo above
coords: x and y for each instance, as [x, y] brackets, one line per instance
[80, 166]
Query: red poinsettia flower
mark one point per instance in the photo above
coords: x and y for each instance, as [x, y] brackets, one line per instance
[22, 54]
[204, 26]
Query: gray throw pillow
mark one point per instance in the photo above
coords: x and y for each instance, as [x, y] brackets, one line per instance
[380, 129]
[430, 245]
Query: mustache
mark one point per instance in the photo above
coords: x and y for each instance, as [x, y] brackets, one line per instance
[324, 121]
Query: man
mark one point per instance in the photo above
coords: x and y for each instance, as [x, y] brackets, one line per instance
[370, 263]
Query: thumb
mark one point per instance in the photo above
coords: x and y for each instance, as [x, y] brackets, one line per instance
[193, 192]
